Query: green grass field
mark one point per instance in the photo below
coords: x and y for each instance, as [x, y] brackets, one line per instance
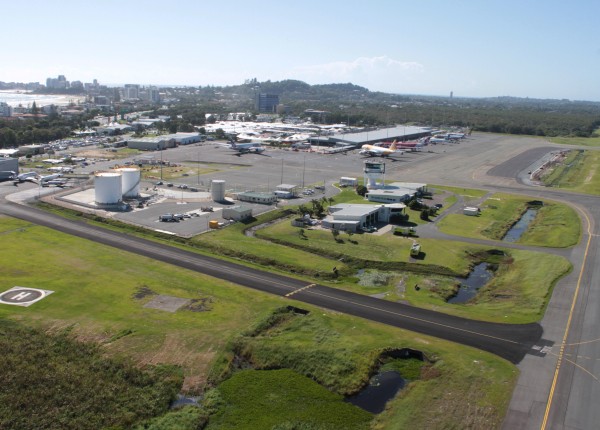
[507, 301]
[94, 293]
[99, 296]
[556, 224]
[577, 141]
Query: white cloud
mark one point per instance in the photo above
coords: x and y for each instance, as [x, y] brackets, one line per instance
[372, 72]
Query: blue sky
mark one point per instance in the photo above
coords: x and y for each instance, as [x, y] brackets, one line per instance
[527, 48]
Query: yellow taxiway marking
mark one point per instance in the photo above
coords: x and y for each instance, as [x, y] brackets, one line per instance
[300, 289]
[561, 352]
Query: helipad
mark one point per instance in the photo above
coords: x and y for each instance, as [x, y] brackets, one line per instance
[23, 296]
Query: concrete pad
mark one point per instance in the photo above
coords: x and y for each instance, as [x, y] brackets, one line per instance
[167, 303]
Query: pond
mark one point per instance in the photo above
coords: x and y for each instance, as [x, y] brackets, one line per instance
[517, 230]
[479, 276]
[182, 400]
[382, 387]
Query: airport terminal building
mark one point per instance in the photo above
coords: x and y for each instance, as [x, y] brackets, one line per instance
[373, 136]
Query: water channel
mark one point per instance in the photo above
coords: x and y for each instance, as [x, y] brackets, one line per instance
[520, 226]
[479, 276]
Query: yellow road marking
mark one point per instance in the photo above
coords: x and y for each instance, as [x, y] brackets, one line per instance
[567, 328]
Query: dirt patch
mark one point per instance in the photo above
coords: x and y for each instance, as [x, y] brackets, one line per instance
[98, 153]
[589, 177]
[143, 292]
[195, 364]
[199, 305]
[167, 303]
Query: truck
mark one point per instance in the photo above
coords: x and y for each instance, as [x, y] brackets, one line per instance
[471, 211]
[168, 218]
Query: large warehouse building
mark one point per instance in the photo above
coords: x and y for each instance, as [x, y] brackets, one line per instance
[163, 142]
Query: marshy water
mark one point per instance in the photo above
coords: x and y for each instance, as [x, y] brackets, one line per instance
[517, 230]
[382, 387]
[479, 276]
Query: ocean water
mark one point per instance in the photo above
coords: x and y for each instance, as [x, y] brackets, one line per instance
[16, 98]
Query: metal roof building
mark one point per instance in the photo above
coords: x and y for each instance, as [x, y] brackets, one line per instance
[372, 136]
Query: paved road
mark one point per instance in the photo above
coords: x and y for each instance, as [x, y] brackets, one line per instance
[509, 341]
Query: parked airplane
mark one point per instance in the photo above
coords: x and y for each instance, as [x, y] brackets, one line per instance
[28, 176]
[455, 136]
[58, 182]
[61, 169]
[413, 145]
[378, 151]
[436, 139]
[244, 148]
[45, 179]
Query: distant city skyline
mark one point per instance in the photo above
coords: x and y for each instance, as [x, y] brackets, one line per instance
[474, 49]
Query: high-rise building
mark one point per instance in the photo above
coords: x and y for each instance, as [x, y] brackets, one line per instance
[266, 102]
[59, 83]
[5, 109]
[153, 94]
[131, 91]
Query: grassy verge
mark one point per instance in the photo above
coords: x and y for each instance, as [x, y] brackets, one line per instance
[229, 243]
[556, 224]
[579, 172]
[578, 141]
[467, 194]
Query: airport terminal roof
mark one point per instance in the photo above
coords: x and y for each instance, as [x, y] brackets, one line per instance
[374, 135]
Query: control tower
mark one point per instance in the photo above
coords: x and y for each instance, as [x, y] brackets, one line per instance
[374, 174]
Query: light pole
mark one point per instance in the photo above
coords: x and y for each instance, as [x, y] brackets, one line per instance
[161, 165]
[198, 167]
[303, 170]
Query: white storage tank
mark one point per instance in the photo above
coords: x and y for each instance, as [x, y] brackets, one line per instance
[217, 189]
[108, 188]
[130, 182]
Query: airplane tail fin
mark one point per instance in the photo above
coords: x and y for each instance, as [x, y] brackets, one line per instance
[393, 146]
